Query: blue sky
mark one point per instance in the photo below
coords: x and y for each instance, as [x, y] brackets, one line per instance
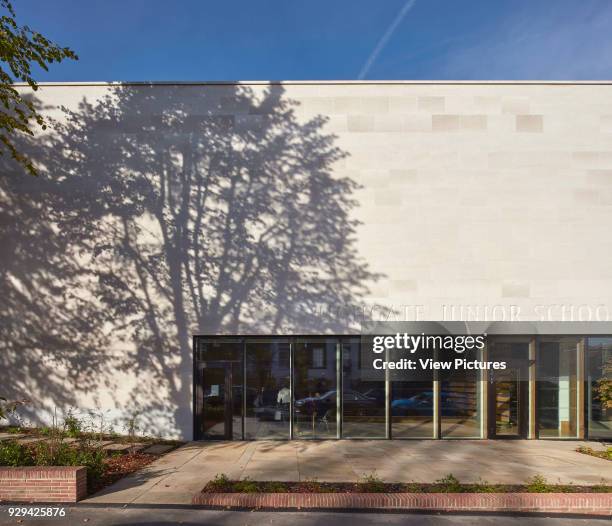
[331, 39]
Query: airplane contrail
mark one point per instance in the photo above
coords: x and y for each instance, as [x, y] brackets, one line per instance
[385, 38]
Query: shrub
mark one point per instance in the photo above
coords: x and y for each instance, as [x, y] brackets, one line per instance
[72, 425]
[275, 487]
[220, 483]
[314, 486]
[14, 454]
[93, 460]
[602, 487]
[448, 484]
[48, 454]
[538, 484]
[482, 486]
[412, 487]
[246, 486]
[371, 483]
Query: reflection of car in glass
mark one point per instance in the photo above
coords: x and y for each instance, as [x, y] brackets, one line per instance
[421, 404]
[354, 404]
[377, 393]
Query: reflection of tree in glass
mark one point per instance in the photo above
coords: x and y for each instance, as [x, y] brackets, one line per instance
[604, 385]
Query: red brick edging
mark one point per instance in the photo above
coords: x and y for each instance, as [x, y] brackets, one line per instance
[579, 503]
[43, 484]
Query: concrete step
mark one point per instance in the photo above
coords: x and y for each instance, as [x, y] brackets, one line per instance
[11, 436]
[115, 447]
[31, 440]
[158, 449]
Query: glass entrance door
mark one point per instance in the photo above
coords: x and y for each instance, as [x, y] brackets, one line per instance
[509, 390]
[217, 403]
[507, 404]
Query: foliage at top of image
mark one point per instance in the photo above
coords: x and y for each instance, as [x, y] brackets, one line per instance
[20, 49]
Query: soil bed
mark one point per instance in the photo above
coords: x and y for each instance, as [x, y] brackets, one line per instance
[118, 466]
[606, 455]
[250, 486]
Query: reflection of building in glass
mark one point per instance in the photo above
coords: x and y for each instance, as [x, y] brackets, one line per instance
[313, 387]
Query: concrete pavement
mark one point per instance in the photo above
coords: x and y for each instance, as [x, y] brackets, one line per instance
[175, 477]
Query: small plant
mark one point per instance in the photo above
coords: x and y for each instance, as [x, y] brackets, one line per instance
[412, 487]
[45, 431]
[606, 455]
[314, 486]
[98, 424]
[131, 427]
[275, 487]
[246, 486]
[448, 484]
[72, 424]
[14, 454]
[371, 483]
[482, 486]
[602, 487]
[13, 430]
[538, 484]
[47, 454]
[220, 483]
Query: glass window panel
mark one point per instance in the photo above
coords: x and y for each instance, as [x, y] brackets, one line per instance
[315, 389]
[412, 409]
[460, 402]
[363, 405]
[557, 387]
[268, 392]
[599, 382]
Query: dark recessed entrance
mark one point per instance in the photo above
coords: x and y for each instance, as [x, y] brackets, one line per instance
[509, 390]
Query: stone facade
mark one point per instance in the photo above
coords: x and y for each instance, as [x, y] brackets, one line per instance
[164, 211]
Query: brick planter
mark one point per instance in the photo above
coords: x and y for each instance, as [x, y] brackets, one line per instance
[43, 484]
[575, 503]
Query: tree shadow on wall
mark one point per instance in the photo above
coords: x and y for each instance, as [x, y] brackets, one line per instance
[163, 212]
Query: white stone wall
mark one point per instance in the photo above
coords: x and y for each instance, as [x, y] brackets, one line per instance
[473, 201]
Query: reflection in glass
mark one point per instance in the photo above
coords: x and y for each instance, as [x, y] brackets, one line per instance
[268, 393]
[363, 405]
[557, 387]
[412, 413]
[314, 382]
[460, 407]
[221, 389]
[599, 371]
